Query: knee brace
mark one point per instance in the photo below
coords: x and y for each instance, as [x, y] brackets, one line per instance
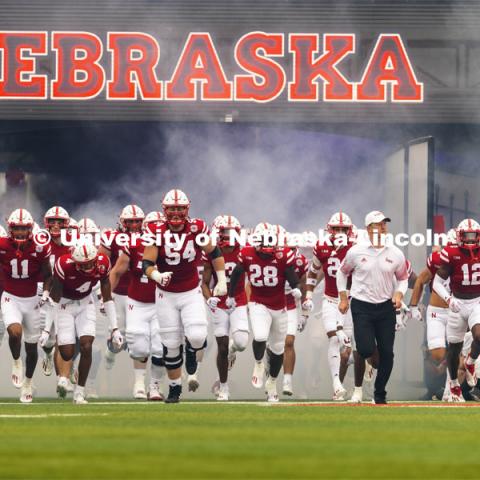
[191, 348]
[196, 337]
[158, 361]
[277, 348]
[173, 357]
[240, 340]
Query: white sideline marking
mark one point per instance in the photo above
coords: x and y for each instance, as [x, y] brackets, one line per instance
[45, 415]
[291, 403]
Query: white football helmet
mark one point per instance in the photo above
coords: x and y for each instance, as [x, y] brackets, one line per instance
[339, 223]
[452, 237]
[223, 224]
[85, 257]
[265, 232]
[87, 225]
[56, 219]
[175, 206]
[353, 233]
[131, 218]
[3, 232]
[20, 225]
[468, 234]
[153, 217]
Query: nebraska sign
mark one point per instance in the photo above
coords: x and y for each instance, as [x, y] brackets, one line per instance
[124, 67]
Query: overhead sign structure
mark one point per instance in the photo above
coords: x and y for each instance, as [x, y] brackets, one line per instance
[125, 67]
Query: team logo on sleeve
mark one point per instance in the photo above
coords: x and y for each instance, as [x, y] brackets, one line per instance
[279, 255]
[194, 229]
[299, 262]
[101, 269]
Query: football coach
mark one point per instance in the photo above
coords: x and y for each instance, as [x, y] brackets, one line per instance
[379, 282]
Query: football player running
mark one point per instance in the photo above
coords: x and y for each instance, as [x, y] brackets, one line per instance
[327, 257]
[23, 261]
[437, 310]
[130, 222]
[55, 220]
[75, 274]
[180, 304]
[296, 321]
[142, 332]
[230, 327]
[267, 267]
[461, 264]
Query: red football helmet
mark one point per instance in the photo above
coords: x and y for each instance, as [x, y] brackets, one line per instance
[20, 226]
[175, 206]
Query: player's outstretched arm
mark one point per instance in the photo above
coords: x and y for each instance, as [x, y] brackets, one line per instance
[423, 278]
[218, 263]
[206, 278]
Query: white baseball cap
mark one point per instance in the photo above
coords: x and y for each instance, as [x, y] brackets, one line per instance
[375, 217]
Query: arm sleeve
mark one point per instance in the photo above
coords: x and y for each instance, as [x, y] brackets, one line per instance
[235, 278]
[291, 276]
[439, 286]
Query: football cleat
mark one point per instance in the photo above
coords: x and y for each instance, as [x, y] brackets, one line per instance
[271, 390]
[357, 397]
[17, 373]
[26, 395]
[232, 356]
[79, 398]
[446, 395]
[174, 392]
[287, 387]
[139, 392]
[470, 374]
[257, 376]
[47, 364]
[223, 394]
[154, 393]
[369, 372]
[456, 394]
[62, 387]
[193, 383]
[339, 391]
[475, 394]
[109, 359]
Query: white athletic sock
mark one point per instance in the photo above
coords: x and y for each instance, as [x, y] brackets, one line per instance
[79, 390]
[18, 362]
[469, 360]
[287, 377]
[357, 391]
[175, 381]
[447, 380]
[334, 356]
[139, 375]
[27, 381]
[454, 383]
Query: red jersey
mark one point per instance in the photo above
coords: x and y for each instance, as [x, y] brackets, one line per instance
[140, 287]
[267, 275]
[330, 258]
[115, 251]
[76, 284]
[57, 252]
[180, 254]
[231, 260]
[464, 270]
[433, 264]
[301, 266]
[22, 268]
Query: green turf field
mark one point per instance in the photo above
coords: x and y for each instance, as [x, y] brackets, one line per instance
[207, 440]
